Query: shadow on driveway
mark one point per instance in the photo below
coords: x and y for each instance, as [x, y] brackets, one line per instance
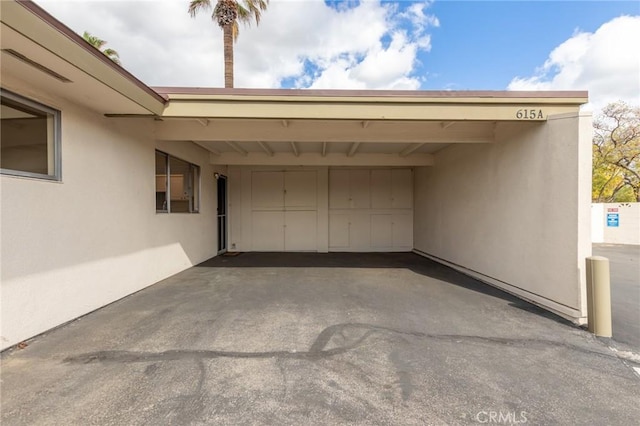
[410, 261]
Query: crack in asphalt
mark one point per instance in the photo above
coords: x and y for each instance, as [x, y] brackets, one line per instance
[318, 349]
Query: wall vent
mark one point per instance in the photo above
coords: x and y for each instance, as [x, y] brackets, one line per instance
[34, 64]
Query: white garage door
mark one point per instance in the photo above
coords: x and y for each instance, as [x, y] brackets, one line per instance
[284, 210]
[371, 210]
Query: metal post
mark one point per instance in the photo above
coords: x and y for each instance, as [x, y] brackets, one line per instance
[598, 296]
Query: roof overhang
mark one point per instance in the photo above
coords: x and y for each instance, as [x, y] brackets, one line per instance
[287, 104]
[342, 128]
[44, 54]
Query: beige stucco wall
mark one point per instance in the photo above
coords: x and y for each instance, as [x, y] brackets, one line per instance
[514, 213]
[71, 247]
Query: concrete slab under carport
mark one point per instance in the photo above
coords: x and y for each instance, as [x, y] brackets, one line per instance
[273, 338]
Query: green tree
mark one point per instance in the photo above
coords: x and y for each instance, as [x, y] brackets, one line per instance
[99, 44]
[227, 13]
[616, 154]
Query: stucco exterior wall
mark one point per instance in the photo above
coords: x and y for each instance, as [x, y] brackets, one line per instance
[514, 213]
[615, 223]
[73, 246]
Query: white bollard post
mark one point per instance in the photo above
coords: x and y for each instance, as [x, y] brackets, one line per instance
[599, 296]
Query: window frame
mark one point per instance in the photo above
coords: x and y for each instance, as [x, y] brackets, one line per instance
[194, 180]
[57, 138]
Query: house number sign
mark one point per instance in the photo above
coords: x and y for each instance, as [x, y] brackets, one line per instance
[529, 114]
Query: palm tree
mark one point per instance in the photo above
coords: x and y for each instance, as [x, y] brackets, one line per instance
[99, 44]
[227, 13]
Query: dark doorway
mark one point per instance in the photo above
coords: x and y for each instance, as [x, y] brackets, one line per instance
[222, 214]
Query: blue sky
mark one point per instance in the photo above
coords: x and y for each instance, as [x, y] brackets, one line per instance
[484, 44]
[368, 44]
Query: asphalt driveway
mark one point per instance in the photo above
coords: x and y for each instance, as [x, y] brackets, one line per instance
[624, 265]
[318, 339]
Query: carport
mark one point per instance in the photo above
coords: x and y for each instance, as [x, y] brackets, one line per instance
[492, 183]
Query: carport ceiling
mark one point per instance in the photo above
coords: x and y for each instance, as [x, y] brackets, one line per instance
[351, 138]
[342, 127]
[323, 148]
[338, 127]
[248, 130]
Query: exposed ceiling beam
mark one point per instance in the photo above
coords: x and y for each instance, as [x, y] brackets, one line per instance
[294, 147]
[265, 147]
[203, 121]
[285, 123]
[324, 149]
[411, 148]
[353, 149]
[326, 131]
[365, 124]
[208, 148]
[447, 124]
[237, 148]
[315, 159]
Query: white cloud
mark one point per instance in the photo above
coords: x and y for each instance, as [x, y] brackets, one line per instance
[416, 13]
[364, 44]
[605, 62]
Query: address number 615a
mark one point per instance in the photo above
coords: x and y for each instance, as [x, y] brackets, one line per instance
[529, 114]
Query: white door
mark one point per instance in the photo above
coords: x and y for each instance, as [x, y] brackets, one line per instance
[267, 190]
[360, 231]
[268, 230]
[381, 231]
[360, 189]
[401, 189]
[402, 226]
[300, 230]
[300, 189]
[284, 210]
[339, 231]
[339, 189]
[381, 189]
[371, 210]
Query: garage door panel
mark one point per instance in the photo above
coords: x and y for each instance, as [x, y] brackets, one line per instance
[402, 188]
[381, 231]
[267, 190]
[300, 230]
[268, 231]
[359, 231]
[402, 231]
[360, 189]
[339, 231]
[339, 189]
[379, 207]
[301, 189]
[381, 189]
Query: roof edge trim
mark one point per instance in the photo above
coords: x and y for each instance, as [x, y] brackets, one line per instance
[251, 92]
